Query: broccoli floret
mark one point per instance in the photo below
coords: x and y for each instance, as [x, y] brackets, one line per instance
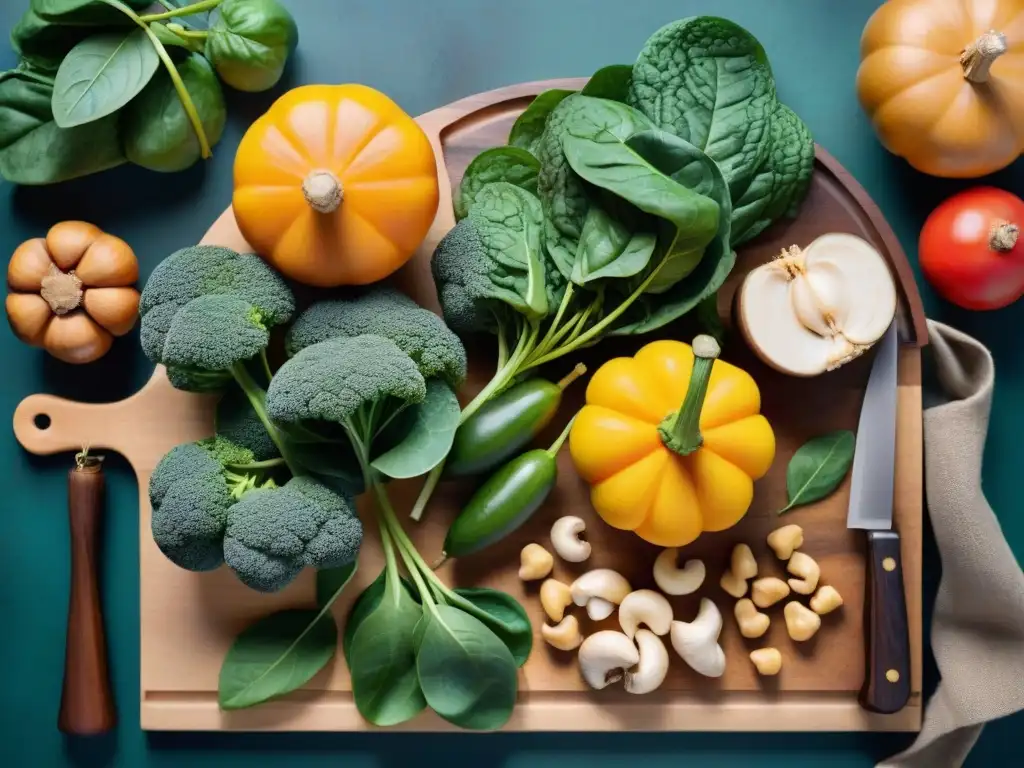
[334, 379]
[386, 312]
[236, 421]
[191, 489]
[212, 333]
[272, 534]
[203, 270]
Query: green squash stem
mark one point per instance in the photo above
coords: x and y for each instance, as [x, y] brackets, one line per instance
[680, 431]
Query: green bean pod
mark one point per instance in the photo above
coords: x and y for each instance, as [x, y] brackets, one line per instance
[505, 501]
[506, 424]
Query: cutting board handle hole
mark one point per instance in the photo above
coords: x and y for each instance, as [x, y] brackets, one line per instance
[42, 421]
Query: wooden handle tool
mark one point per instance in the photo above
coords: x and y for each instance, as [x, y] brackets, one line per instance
[87, 703]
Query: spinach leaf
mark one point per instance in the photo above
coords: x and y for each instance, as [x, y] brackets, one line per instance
[44, 41]
[426, 440]
[611, 82]
[156, 130]
[817, 467]
[467, 674]
[529, 126]
[511, 164]
[382, 655]
[278, 654]
[82, 10]
[249, 42]
[509, 222]
[366, 604]
[100, 75]
[563, 195]
[781, 182]
[612, 146]
[610, 248]
[707, 80]
[34, 149]
[331, 581]
[504, 615]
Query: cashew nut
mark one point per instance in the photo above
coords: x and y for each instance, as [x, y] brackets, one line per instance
[535, 562]
[752, 622]
[566, 540]
[807, 569]
[599, 609]
[605, 656]
[600, 590]
[767, 661]
[555, 597]
[826, 601]
[786, 540]
[743, 564]
[677, 581]
[696, 642]
[801, 622]
[768, 591]
[565, 636]
[645, 606]
[651, 670]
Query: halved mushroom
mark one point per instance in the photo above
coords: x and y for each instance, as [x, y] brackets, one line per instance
[812, 310]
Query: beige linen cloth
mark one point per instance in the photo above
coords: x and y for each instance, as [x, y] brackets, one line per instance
[978, 624]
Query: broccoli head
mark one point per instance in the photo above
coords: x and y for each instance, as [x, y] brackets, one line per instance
[191, 490]
[387, 312]
[274, 533]
[212, 333]
[491, 266]
[341, 379]
[204, 271]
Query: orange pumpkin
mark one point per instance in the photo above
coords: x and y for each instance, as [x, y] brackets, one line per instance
[335, 185]
[943, 83]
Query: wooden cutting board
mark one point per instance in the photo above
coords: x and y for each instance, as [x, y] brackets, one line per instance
[189, 620]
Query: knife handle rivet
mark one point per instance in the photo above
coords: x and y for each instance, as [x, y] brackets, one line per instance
[892, 676]
[889, 564]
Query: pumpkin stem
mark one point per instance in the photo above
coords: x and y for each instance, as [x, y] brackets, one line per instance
[680, 431]
[61, 290]
[1003, 236]
[977, 58]
[323, 191]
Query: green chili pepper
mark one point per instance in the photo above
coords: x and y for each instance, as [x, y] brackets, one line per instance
[505, 501]
[506, 424]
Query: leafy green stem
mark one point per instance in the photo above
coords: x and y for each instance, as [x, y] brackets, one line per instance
[179, 85]
[413, 561]
[188, 34]
[257, 465]
[258, 399]
[598, 328]
[184, 10]
[548, 340]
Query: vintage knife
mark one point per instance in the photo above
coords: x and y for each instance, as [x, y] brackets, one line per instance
[887, 678]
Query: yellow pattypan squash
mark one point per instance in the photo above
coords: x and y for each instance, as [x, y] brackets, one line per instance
[672, 443]
[335, 185]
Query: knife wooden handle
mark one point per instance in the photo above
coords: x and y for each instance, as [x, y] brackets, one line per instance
[887, 681]
[86, 704]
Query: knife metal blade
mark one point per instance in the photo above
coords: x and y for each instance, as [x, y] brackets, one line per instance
[887, 645]
[874, 457]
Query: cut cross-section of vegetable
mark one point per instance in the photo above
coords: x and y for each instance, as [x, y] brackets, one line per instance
[810, 311]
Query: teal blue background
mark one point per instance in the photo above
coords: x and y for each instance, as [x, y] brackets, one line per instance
[423, 54]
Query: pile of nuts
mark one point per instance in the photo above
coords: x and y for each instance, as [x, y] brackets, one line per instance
[637, 655]
[801, 622]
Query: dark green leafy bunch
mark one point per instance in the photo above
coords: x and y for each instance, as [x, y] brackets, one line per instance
[242, 497]
[366, 395]
[621, 203]
[103, 82]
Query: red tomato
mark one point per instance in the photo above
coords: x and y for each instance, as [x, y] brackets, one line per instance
[969, 251]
